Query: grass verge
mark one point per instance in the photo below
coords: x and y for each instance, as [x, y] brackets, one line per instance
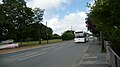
[43, 42]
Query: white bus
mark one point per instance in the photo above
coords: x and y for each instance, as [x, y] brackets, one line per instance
[81, 36]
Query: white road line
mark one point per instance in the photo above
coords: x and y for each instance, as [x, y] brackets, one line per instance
[58, 48]
[31, 53]
[31, 56]
[48, 48]
[20, 54]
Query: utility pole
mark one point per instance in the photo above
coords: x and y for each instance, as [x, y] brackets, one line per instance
[47, 32]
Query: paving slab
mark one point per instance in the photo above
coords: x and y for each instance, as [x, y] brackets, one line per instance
[94, 57]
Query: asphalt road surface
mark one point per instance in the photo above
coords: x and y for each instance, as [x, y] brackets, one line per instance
[65, 54]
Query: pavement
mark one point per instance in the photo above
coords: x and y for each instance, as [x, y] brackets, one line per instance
[94, 57]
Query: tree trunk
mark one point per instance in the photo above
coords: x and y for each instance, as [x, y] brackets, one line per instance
[20, 41]
[39, 36]
[102, 41]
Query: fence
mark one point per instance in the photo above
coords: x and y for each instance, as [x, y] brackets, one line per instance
[113, 58]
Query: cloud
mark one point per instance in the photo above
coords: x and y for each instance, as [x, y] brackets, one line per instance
[75, 20]
[1, 1]
[47, 4]
[50, 6]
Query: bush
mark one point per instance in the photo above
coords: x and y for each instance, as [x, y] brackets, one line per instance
[115, 41]
[67, 36]
[56, 37]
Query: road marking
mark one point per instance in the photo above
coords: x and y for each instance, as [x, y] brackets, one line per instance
[48, 48]
[58, 48]
[31, 56]
[20, 54]
[31, 53]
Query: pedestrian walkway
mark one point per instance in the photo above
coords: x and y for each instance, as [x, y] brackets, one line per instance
[94, 57]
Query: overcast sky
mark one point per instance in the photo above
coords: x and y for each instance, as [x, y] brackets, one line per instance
[63, 15]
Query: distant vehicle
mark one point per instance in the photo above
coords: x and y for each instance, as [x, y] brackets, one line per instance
[81, 36]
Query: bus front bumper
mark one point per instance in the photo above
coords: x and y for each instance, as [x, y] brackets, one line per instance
[79, 40]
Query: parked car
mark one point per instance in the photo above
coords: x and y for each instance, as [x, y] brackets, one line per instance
[9, 46]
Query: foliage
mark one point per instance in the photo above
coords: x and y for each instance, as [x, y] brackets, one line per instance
[15, 17]
[56, 36]
[38, 15]
[34, 33]
[91, 27]
[19, 22]
[105, 16]
[68, 35]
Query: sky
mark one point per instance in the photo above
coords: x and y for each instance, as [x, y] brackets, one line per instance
[62, 15]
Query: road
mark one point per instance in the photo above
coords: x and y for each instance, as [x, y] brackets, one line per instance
[65, 54]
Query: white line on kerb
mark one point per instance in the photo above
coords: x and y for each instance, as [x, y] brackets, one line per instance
[31, 56]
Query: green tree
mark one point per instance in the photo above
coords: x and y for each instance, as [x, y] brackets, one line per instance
[105, 15]
[50, 32]
[56, 36]
[15, 17]
[68, 35]
[38, 17]
[34, 33]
